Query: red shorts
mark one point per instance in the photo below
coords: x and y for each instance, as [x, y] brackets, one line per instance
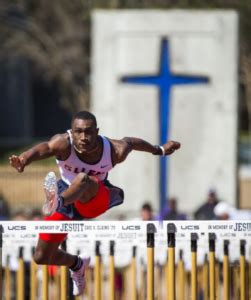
[91, 209]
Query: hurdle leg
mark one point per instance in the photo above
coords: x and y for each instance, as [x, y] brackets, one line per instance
[89, 286]
[217, 280]
[63, 277]
[134, 274]
[45, 283]
[236, 281]
[171, 260]
[226, 271]
[20, 276]
[194, 284]
[166, 277]
[33, 279]
[205, 273]
[212, 293]
[181, 277]
[111, 272]
[7, 280]
[57, 284]
[150, 261]
[63, 282]
[142, 293]
[157, 279]
[242, 270]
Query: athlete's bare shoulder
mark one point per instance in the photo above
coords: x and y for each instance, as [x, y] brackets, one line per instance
[60, 143]
[120, 150]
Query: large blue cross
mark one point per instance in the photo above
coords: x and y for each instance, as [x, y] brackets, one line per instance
[164, 80]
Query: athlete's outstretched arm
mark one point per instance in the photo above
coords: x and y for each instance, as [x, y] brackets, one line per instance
[123, 147]
[53, 147]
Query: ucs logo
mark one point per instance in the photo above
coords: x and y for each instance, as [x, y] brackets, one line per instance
[190, 227]
[131, 227]
[17, 228]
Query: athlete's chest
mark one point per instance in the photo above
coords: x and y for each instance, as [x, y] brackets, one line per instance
[76, 167]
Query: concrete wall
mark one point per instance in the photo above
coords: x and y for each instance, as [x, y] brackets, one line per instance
[203, 117]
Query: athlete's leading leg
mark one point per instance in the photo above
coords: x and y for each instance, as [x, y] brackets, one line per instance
[83, 188]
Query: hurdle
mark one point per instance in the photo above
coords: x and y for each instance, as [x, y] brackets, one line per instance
[157, 244]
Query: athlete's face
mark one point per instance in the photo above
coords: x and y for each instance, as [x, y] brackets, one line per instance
[84, 134]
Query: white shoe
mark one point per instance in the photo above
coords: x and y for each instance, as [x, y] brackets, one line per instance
[51, 194]
[78, 277]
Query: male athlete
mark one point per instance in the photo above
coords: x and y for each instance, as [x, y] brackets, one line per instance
[84, 159]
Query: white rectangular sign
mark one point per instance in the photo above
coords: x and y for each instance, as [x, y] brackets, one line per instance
[169, 74]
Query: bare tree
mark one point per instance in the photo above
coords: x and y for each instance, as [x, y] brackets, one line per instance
[54, 37]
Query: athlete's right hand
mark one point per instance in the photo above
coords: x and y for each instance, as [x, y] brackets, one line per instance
[17, 162]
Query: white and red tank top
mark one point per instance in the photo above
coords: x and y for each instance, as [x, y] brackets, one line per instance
[70, 167]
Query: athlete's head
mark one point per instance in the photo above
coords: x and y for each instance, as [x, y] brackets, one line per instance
[84, 131]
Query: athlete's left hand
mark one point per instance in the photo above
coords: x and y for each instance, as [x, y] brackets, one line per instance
[170, 147]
